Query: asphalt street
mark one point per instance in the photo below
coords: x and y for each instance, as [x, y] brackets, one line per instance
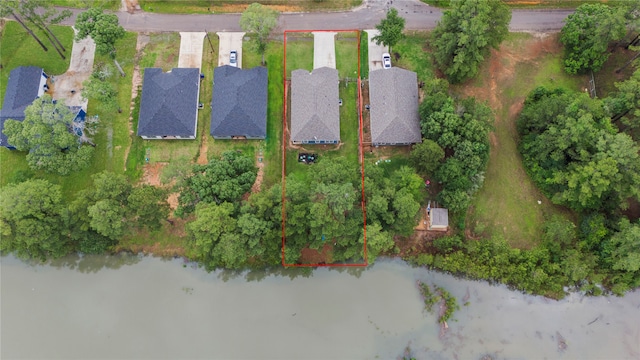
[417, 14]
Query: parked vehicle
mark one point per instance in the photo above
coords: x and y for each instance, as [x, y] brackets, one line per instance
[386, 61]
[233, 58]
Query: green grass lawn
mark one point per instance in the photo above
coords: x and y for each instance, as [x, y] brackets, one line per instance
[607, 77]
[299, 53]
[364, 55]
[413, 55]
[347, 55]
[20, 49]
[85, 4]
[237, 6]
[507, 204]
[162, 51]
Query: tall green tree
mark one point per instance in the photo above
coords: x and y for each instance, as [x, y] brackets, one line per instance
[587, 34]
[103, 28]
[215, 238]
[391, 28]
[624, 104]
[32, 220]
[98, 88]
[46, 135]
[259, 20]
[462, 39]
[427, 156]
[573, 153]
[221, 180]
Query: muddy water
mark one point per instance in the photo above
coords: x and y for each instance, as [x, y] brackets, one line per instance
[131, 307]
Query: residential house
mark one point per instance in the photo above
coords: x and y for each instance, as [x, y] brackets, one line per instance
[169, 104]
[239, 106]
[25, 84]
[394, 117]
[315, 108]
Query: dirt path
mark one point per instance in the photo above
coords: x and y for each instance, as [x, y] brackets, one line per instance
[143, 40]
[68, 86]
[258, 183]
[202, 155]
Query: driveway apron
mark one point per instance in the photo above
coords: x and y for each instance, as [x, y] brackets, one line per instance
[191, 49]
[375, 51]
[324, 49]
[229, 41]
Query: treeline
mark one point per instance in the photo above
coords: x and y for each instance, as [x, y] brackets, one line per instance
[596, 257]
[37, 222]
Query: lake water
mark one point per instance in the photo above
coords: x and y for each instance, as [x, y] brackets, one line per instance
[130, 307]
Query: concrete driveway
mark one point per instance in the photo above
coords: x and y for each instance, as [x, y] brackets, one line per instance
[191, 49]
[68, 86]
[229, 41]
[324, 49]
[375, 51]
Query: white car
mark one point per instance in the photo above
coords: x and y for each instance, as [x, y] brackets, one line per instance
[233, 58]
[386, 61]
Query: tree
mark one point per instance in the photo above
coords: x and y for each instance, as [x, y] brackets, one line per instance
[103, 28]
[573, 153]
[624, 104]
[427, 156]
[624, 247]
[147, 206]
[378, 241]
[97, 88]
[259, 20]
[587, 34]
[32, 223]
[46, 133]
[41, 14]
[214, 236]
[390, 28]
[461, 40]
[221, 180]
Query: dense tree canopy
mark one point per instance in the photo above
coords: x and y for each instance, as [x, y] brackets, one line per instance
[46, 133]
[574, 154]
[391, 28]
[461, 128]
[462, 39]
[624, 104]
[260, 21]
[32, 220]
[587, 34]
[103, 28]
[221, 180]
[427, 156]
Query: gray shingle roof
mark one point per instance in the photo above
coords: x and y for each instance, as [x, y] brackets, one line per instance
[315, 111]
[23, 87]
[169, 103]
[239, 106]
[439, 217]
[393, 94]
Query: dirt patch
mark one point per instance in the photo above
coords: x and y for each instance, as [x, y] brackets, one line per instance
[322, 256]
[151, 173]
[173, 200]
[202, 155]
[258, 183]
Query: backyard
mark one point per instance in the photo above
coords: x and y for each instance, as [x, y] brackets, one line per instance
[237, 6]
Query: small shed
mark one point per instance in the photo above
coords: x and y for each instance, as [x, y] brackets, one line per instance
[439, 219]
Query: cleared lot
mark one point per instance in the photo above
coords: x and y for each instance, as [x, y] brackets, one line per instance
[324, 49]
[68, 86]
[229, 41]
[191, 49]
[375, 51]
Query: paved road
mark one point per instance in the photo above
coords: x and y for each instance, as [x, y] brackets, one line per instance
[417, 14]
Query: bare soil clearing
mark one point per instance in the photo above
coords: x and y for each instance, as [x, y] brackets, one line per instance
[68, 86]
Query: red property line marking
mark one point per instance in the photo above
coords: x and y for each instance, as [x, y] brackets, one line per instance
[284, 155]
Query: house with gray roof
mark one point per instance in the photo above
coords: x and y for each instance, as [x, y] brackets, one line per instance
[239, 106]
[315, 108]
[169, 104]
[393, 96]
[439, 219]
[25, 84]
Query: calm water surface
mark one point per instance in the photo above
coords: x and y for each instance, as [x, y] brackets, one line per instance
[128, 307]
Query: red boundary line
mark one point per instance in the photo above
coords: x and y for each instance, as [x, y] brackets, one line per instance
[284, 155]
